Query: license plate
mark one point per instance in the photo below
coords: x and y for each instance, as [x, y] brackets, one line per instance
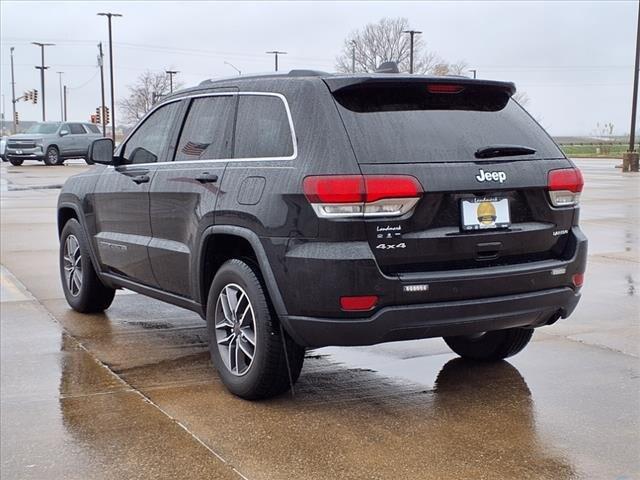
[19, 152]
[485, 213]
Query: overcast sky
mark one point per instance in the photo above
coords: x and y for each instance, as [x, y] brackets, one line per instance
[573, 59]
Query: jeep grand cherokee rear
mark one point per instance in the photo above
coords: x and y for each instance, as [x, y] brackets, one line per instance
[461, 224]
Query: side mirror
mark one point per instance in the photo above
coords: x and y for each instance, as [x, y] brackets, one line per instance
[101, 151]
[64, 132]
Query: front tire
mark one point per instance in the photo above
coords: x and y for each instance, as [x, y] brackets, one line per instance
[491, 346]
[83, 289]
[245, 339]
[52, 157]
[16, 162]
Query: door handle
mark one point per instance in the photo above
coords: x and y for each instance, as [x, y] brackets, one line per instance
[140, 179]
[207, 177]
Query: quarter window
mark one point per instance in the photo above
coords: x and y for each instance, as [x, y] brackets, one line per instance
[150, 140]
[262, 128]
[91, 128]
[208, 129]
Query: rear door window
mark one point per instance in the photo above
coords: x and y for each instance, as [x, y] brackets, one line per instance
[406, 123]
[263, 129]
[208, 129]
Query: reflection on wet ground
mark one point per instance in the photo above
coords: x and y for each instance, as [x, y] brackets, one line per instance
[131, 393]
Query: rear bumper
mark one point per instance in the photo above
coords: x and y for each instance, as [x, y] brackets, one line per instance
[452, 302]
[436, 320]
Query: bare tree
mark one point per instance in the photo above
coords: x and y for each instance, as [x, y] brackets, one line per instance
[384, 41]
[148, 89]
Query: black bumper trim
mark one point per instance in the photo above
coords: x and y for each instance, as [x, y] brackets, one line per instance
[410, 322]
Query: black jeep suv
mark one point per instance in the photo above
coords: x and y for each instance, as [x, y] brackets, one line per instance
[310, 209]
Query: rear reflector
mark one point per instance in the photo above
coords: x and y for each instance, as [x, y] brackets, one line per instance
[565, 186]
[339, 196]
[578, 280]
[362, 303]
[444, 88]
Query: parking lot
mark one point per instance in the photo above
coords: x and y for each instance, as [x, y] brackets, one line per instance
[131, 393]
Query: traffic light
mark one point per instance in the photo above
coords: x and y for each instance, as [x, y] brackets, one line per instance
[16, 118]
[94, 119]
[97, 116]
[107, 116]
[34, 96]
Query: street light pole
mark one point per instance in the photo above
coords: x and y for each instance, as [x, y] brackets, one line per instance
[61, 98]
[109, 15]
[276, 53]
[411, 33]
[42, 68]
[234, 67]
[64, 90]
[103, 117]
[13, 92]
[171, 73]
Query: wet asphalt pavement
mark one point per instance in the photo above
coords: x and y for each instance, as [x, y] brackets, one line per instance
[131, 394]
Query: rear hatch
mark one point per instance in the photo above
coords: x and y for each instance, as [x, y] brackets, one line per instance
[473, 149]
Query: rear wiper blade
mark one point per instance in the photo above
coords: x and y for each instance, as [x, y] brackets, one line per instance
[503, 151]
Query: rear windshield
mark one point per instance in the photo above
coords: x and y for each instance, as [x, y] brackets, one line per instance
[405, 123]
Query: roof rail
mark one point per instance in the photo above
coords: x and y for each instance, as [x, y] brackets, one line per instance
[307, 73]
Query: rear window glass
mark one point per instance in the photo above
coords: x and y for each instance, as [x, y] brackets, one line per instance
[405, 123]
[262, 128]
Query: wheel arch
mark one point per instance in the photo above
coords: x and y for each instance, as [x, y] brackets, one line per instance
[68, 210]
[235, 242]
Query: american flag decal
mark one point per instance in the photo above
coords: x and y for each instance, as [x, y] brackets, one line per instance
[194, 149]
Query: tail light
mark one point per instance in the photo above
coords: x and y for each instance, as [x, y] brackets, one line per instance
[565, 186]
[350, 196]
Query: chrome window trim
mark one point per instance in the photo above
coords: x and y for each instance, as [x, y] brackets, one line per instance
[294, 140]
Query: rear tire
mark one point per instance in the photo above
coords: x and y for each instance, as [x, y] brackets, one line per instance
[16, 162]
[238, 313]
[52, 156]
[491, 346]
[83, 289]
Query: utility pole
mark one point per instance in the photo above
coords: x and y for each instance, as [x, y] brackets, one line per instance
[13, 92]
[411, 33]
[109, 15]
[353, 56]
[171, 73]
[42, 68]
[61, 98]
[474, 73]
[234, 67]
[276, 53]
[630, 159]
[101, 65]
[64, 90]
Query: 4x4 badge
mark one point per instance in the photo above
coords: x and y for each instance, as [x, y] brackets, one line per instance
[491, 176]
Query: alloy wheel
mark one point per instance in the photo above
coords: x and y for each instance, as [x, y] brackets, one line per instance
[72, 265]
[235, 329]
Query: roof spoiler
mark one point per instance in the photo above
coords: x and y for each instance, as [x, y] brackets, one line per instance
[336, 83]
